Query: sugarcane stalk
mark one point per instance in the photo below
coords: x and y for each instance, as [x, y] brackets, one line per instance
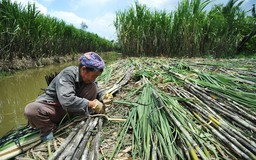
[70, 149]
[202, 145]
[97, 138]
[66, 142]
[224, 139]
[240, 111]
[235, 142]
[17, 151]
[240, 138]
[69, 124]
[192, 152]
[187, 154]
[243, 142]
[79, 151]
[153, 154]
[205, 112]
[77, 155]
[49, 148]
[203, 97]
[203, 107]
[109, 118]
[245, 112]
[92, 150]
[121, 82]
[183, 130]
[218, 124]
[87, 148]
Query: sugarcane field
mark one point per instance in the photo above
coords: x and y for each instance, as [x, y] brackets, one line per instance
[171, 83]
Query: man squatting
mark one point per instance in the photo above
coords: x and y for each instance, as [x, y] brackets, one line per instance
[72, 91]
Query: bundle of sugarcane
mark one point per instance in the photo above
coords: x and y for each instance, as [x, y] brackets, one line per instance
[18, 141]
[162, 129]
[239, 89]
[114, 73]
[216, 119]
[82, 142]
[43, 150]
[230, 110]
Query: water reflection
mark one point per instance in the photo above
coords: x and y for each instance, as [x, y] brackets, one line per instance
[17, 91]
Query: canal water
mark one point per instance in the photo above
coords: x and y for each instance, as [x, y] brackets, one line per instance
[18, 90]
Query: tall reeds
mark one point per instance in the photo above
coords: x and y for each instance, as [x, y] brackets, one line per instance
[25, 32]
[190, 30]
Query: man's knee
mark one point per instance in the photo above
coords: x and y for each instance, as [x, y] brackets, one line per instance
[30, 110]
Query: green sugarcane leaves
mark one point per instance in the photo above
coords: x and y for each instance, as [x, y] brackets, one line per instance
[191, 111]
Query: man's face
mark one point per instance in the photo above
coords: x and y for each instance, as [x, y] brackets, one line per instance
[88, 76]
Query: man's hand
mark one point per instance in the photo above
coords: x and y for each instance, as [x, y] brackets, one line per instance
[98, 107]
[107, 99]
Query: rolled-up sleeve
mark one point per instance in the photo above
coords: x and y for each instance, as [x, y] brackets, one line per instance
[65, 90]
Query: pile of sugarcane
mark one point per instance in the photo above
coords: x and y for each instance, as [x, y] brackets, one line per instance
[182, 110]
[18, 141]
[175, 109]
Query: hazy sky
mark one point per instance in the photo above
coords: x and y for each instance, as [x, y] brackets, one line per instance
[100, 14]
